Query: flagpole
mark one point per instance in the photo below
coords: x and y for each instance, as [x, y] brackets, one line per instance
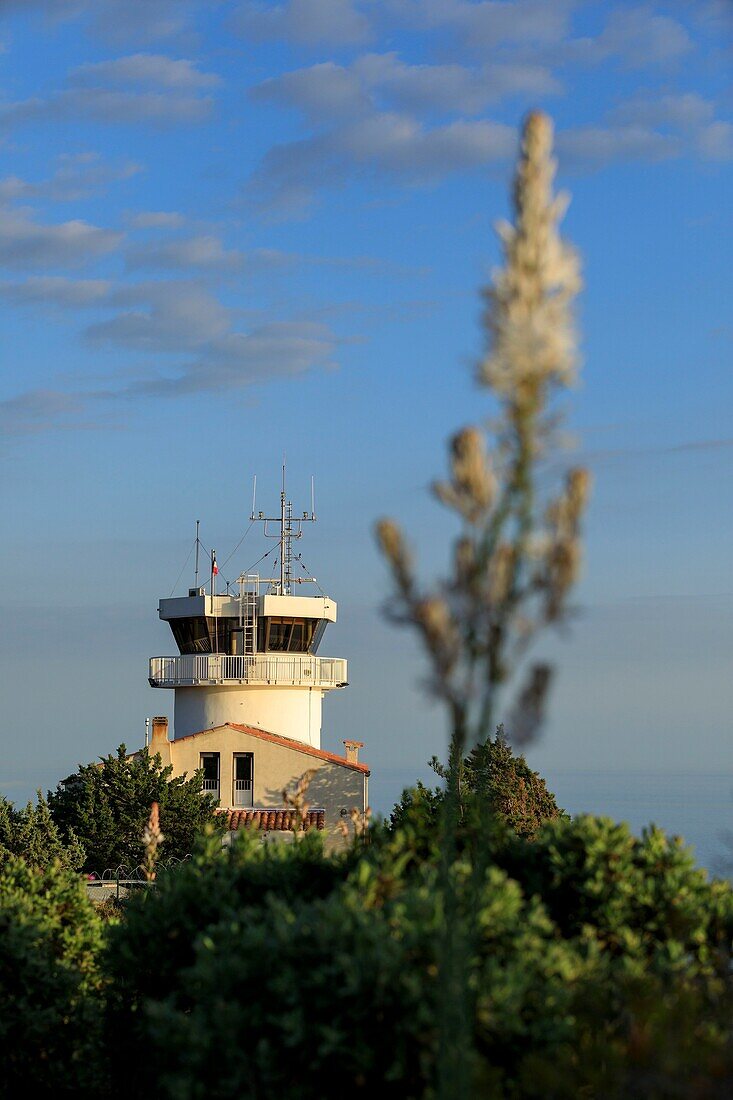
[213, 574]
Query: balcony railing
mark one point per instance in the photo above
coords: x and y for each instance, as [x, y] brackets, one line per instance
[282, 669]
[242, 792]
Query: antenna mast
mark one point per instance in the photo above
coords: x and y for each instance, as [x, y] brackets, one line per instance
[196, 574]
[289, 529]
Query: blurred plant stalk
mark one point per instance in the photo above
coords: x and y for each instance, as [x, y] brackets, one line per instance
[518, 553]
[152, 839]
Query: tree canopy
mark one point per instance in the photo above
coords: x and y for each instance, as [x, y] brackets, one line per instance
[516, 795]
[106, 806]
[32, 833]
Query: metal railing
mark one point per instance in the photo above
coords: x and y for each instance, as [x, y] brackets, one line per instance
[243, 792]
[286, 669]
[119, 882]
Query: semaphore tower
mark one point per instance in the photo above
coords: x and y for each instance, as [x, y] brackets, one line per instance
[248, 684]
[251, 656]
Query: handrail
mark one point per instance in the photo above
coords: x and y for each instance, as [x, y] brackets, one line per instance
[286, 669]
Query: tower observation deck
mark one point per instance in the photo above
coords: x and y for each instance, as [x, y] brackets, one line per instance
[251, 656]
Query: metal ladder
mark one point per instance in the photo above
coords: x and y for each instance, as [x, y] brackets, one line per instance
[249, 587]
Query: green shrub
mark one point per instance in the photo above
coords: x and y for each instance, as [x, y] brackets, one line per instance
[644, 898]
[50, 984]
[596, 962]
[216, 884]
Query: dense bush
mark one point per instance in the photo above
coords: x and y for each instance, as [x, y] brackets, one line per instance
[50, 1007]
[106, 805]
[596, 963]
[216, 884]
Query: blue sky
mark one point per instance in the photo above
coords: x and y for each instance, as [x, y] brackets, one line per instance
[229, 230]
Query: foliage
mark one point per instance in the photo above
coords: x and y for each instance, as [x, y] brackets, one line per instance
[148, 966]
[31, 833]
[107, 805]
[518, 552]
[494, 774]
[517, 555]
[50, 1013]
[599, 966]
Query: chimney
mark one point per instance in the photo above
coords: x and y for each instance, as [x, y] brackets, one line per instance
[160, 733]
[352, 751]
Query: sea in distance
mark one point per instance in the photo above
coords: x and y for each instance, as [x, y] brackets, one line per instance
[697, 807]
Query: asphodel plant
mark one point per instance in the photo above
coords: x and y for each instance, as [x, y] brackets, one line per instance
[152, 839]
[515, 559]
[517, 555]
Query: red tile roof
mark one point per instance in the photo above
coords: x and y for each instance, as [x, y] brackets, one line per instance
[286, 742]
[282, 820]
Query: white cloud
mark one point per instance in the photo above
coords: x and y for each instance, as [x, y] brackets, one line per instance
[38, 411]
[330, 91]
[162, 317]
[147, 70]
[485, 24]
[589, 148]
[449, 87]
[120, 20]
[390, 144]
[715, 141]
[686, 114]
[687, 110]
[305, 22]
[177, 319]
[156, 90]
[77, 176]
[142, 20]
[204, 252]
[641, 37]
[183, 317]
[238, 359]
[322, 91]
[109, 106]
[56, 290]
[28, 243]
[156, 219]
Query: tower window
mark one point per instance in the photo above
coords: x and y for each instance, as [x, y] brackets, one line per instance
[286, 635]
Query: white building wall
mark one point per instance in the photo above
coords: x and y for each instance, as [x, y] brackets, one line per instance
[290, 711]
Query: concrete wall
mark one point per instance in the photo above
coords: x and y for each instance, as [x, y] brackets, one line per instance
[290, 711]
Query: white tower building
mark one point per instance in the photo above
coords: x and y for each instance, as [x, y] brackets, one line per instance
[251, 656]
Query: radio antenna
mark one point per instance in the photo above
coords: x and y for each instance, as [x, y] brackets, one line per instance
[196, 574]
[289, 529]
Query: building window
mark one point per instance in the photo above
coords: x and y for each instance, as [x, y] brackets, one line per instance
[281, 635]
[212, 634]
[191, 635]
[243, 771]
[210, 768]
